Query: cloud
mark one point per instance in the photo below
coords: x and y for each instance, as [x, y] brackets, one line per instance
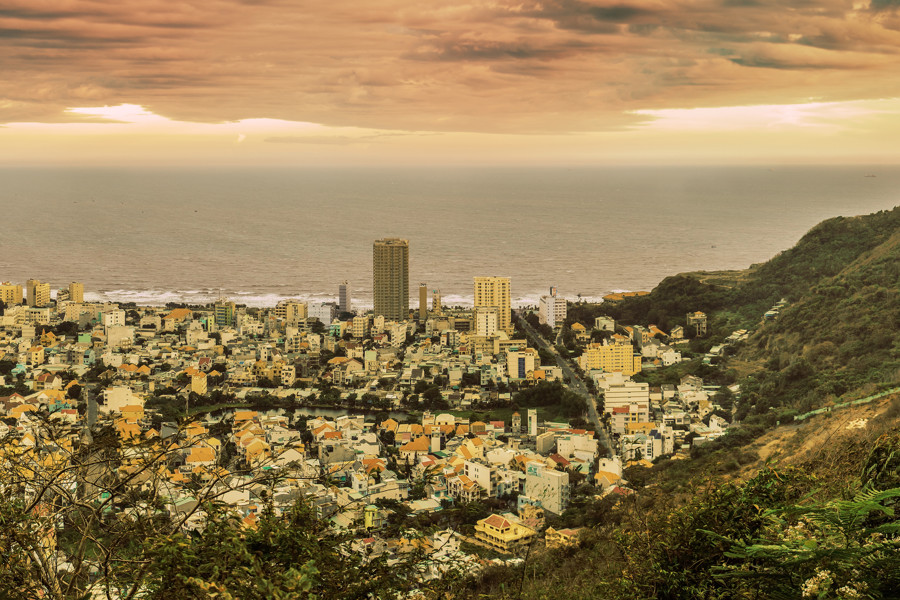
[494, 66]
[314, 139]
[882, 5]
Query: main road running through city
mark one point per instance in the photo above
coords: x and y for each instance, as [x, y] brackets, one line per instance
[574, 381]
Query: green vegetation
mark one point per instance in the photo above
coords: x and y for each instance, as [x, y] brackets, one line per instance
[785, 533]
[566, 403]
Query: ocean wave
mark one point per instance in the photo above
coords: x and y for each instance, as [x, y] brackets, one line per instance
[265, 300]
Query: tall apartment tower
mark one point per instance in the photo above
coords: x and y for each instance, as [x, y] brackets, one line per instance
[38, 294]
[494, 291]
[76, 292]
[436, 306]
[423, 302]
[344, 297]
[224, 313]
[390, 278]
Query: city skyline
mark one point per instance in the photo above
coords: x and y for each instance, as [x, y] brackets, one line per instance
[392, 82]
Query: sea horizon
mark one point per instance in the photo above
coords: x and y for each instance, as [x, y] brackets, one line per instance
[256, 236]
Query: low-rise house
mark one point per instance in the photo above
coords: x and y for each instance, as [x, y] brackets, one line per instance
[562, 538]
[503, 532]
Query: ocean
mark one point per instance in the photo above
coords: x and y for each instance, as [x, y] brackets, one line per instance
[255, 236]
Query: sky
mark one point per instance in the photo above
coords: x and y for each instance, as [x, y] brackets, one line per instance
[397, 82]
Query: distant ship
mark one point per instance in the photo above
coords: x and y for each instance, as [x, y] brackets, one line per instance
[871, 175]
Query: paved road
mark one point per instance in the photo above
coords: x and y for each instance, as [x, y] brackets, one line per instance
[575, 382]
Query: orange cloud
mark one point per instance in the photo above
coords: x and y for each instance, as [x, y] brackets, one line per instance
[476, 66]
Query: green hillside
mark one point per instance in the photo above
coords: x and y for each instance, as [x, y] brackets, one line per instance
[791, 510]
[838, 332]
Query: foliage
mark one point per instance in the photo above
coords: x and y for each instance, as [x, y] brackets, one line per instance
[551, 394]
[95, 521]
[835, 549]
[288, 556]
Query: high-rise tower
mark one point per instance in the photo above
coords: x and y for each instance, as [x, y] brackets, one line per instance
[344, 297]
[436, 306]
[390, 278]
[494, 291]
[423, 302]
[38, 293]
[76, 292]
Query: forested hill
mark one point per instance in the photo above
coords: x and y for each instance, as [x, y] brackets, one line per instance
[838, 332]
[841, 332]
[825, 251]
[834, 247]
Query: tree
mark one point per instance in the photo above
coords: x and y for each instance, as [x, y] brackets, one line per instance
[74, 392]
[99, 518]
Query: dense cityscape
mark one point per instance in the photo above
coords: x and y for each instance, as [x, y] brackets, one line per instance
[369, 416]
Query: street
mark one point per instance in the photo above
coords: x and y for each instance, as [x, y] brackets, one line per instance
[574, 382]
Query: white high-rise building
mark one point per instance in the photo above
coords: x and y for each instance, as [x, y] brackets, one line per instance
[344, 302]
[114, 318]
[552, 309]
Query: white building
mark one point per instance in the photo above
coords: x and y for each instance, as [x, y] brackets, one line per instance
[620, 391]
[323, 312]
[486, 320]
[484, 475]
[397, 332]
[114, 398]
[532, 422]
[113, 318]
[605, 324]
[582, 447]
[547, 487]
[670, 357]
[552, 309]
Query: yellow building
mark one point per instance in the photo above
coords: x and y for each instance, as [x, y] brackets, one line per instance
[374, 517]
[503, 532]
[494, 291]
[291, 310]
[37, 293]
[198, 383]
[76, 292]
[35, 355]
[520, 364]
[562, 538]
[423, 302]
[10, 293]
[615, 357]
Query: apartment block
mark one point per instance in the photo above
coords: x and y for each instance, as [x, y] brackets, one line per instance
[495, 292]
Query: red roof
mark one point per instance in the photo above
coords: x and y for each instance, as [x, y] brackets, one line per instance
[558, 459]
[497, 521]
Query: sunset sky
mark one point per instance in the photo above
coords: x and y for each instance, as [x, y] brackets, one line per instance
[357, 82]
